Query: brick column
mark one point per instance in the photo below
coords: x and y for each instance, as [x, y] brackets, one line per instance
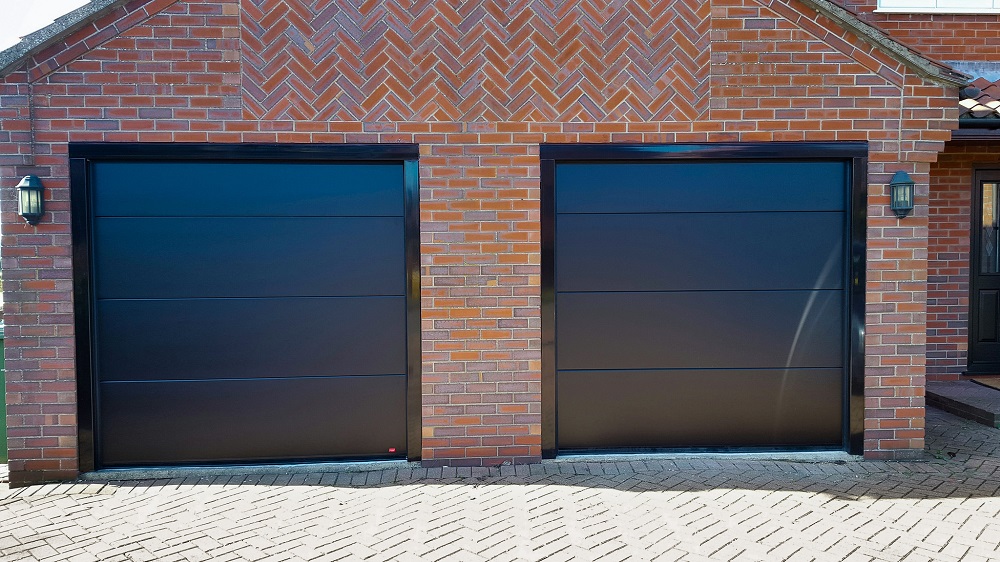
[481, 298]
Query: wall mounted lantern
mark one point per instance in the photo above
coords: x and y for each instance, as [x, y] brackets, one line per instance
[29, 199]
[901, 192]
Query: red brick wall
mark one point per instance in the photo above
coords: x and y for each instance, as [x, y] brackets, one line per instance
[478, 88]
[948, 37]
[481, 298]
[948, 255]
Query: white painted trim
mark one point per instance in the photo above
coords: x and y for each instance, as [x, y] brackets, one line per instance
[939, 6]
[937, 11]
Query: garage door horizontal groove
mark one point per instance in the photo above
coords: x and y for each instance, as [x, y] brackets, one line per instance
[729, 212]
[800, 290]
[299, 377]
[270, 216]
[260, 298]
[757, 368]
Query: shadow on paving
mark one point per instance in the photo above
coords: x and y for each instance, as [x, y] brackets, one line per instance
[962, 461]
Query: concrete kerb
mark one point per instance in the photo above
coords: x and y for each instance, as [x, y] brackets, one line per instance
[159, 473]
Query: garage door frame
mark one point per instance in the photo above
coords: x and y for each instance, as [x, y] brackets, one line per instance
[83, 155]
[854, 154]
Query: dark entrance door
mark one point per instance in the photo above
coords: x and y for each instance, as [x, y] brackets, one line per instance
[253, 307]
[984, 305]
[699, 302]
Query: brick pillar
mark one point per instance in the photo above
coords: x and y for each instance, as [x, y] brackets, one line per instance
[480, 252]
[40, 369]
[895, 338]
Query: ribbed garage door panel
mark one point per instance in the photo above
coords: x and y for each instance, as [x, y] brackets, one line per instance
[248, 311]
[700, 251]
[700, 303]
[268, 419]
[216, 189]
[249, 256]
[701, 408]
[699, 187]
[250, 338]
[724, 329]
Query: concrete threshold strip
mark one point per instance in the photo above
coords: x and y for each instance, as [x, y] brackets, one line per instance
[173, 472]
[817, 457]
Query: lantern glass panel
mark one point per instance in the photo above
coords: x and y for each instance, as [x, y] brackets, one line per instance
[901, 194]
[29, 199]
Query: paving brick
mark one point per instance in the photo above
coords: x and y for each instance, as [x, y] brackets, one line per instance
[942, 508]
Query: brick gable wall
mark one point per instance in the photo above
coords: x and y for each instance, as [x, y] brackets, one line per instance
[478, 90]
[475, 61]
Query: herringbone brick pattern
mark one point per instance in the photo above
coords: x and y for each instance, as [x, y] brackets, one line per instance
[728, 508]
[442, 60]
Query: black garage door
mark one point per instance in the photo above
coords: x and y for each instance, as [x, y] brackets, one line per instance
[697, 301]
[250, 309]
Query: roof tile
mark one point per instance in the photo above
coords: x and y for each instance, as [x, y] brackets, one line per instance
[980, 100]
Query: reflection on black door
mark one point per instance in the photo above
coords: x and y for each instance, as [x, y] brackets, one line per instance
[984, 305]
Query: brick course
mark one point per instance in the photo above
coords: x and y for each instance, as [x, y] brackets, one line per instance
[478, 90]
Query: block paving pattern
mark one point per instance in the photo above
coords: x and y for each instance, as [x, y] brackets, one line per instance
[682, 508]
[508, 60]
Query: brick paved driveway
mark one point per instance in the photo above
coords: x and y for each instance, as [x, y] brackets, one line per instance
[944, 508]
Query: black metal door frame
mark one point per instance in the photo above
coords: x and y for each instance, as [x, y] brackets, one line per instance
[81, 155]
[855, 154]
[979, 281]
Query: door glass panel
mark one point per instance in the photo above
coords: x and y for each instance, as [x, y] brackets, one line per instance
[989, 262]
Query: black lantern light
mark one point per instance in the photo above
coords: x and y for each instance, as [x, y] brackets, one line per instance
[901, 191]
[29, 199]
